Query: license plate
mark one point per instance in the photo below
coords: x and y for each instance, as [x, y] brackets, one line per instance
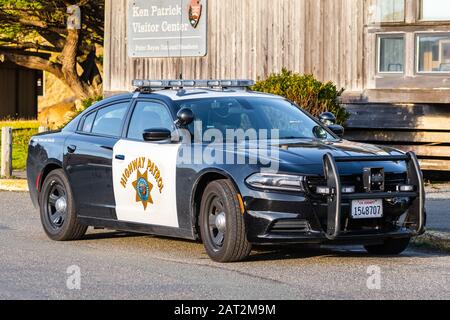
[367, 209]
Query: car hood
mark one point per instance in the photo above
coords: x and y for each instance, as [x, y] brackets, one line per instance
[307, 155]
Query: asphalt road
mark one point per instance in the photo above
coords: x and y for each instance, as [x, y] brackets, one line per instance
[438, 217]
[122, 266]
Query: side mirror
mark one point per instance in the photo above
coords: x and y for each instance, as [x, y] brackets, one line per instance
[184, 117]
[154, 135]
[327, 118]
[337, 130]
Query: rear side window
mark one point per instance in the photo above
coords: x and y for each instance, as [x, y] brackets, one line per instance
[109, 120]
[88, 122]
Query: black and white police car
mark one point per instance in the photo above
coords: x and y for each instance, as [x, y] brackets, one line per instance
[161, 161]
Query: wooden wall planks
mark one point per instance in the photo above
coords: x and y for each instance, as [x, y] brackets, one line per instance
[251, 39]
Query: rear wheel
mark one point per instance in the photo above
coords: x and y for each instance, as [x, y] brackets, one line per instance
[57, 209]
[389, 247]
[222, 224]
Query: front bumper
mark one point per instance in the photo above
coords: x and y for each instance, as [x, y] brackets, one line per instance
[294, 219]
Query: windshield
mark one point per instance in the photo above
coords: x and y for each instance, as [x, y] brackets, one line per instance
[254, 113]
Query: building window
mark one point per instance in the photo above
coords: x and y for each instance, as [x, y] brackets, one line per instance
[433, 53]
[435, 10]
[391, 55]
[388, 11]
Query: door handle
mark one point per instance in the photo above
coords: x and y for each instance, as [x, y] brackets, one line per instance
[120, 157]
[71, 148]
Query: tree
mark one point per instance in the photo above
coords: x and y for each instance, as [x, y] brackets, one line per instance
[48, 35]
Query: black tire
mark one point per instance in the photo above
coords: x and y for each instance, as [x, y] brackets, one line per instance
[389, 247]
[59, 225]
[221, 196]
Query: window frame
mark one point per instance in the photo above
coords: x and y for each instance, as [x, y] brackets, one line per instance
[417, 36]
[420, 14]
[379, 36]
[127, 123]
[96, 110]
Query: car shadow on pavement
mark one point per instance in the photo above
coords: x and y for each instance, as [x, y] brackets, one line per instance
[102, 235]
[274, 252]
[316, 251]
[268, 253]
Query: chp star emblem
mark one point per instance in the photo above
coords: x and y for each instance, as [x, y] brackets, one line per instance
[143, 189]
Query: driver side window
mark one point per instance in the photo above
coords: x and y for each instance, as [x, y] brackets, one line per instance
[149, 115]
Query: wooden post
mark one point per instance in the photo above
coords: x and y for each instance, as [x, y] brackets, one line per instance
[6, 167]
[42, 129]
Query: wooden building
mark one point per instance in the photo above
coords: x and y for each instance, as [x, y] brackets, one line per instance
[391, 56]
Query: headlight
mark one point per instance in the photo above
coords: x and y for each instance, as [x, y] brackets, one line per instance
[276, 182]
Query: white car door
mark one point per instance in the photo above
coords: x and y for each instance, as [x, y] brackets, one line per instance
[144, 173]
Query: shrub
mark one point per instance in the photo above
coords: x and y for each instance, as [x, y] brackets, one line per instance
[312, 95]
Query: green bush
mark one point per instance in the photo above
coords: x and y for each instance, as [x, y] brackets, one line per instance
[312, 95]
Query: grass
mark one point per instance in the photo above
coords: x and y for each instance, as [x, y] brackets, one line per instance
[20, 124]
[13, 185]
[23, 130]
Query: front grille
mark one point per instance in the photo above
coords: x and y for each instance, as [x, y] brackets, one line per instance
[392, 180]
[290, 226]
[391, 212]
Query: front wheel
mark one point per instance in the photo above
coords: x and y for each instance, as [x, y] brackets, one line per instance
[58, 215]
[222, 225]
[389, 247]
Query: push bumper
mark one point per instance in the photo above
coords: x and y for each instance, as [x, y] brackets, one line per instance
[415, 221]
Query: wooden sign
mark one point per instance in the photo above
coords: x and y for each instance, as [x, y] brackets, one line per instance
[167, 28]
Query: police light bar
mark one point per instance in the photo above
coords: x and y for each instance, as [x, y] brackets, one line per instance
[158, 84]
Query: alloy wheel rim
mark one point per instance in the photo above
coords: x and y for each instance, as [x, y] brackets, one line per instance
[57, 206]
[217, 222]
